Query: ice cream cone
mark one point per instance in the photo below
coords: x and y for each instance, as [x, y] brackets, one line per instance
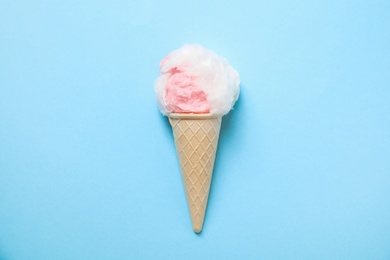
[196, 140]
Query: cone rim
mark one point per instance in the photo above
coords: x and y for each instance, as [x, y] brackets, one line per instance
[193, 116]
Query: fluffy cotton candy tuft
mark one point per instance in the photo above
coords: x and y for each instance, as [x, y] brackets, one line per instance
[196, 80]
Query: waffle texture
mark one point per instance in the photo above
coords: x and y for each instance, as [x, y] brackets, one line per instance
[196, 140]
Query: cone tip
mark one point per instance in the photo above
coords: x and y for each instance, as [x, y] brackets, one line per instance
[197, 227]
[197, 230]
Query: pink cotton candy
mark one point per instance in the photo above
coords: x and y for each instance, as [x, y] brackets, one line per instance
[183, 95]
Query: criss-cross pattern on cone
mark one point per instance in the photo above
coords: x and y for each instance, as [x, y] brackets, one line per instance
[196, 140]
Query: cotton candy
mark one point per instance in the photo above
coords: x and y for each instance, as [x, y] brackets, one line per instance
[195, 80]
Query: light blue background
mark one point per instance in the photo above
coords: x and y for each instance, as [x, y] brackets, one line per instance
[88, 168]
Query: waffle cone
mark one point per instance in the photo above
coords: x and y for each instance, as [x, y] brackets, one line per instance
[196, 140]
